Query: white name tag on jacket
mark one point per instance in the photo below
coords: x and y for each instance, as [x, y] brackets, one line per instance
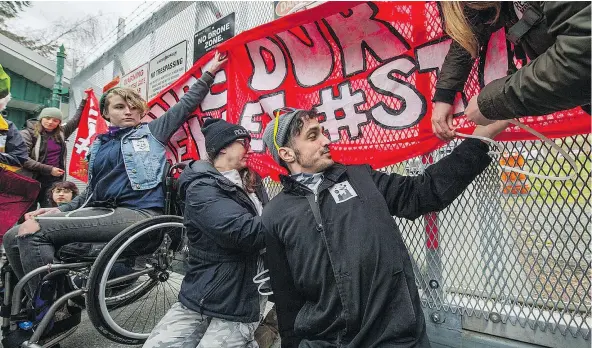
[141, 145]
[342, 192]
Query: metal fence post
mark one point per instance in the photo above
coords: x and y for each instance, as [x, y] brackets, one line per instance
[57, 84]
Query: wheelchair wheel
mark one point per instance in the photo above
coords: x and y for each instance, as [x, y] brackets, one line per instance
[135, 279]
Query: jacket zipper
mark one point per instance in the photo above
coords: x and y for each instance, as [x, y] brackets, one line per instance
[320, 222]
[321, 229]
[246, 199]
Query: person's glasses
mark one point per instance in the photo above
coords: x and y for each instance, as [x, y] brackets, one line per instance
[246, 143]
[62, 190]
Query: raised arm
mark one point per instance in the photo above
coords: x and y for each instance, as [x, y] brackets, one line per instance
[164, 127]
[556, 80]
[72, 124]
[412, 196]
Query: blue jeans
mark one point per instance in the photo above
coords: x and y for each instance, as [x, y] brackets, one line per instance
[31, 251]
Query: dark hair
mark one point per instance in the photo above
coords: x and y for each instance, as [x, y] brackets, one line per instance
[295, 128]
[249, 179]
[63, 185]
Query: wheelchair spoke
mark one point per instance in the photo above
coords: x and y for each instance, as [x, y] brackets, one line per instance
[146, 321]
[123, 310]
[138, 307]
[167, 299]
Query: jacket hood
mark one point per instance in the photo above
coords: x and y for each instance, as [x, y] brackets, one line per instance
[31, 123]
[194, 171]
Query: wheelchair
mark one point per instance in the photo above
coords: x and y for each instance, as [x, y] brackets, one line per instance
[126, 285]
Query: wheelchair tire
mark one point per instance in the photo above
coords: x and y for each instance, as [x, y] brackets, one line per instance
[101, 299]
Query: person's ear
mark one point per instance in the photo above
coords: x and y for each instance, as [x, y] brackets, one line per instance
[287, 154]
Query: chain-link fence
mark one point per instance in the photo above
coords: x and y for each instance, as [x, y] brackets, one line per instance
[511, 250]
[165, 24]
[169, 24]
[519, 257]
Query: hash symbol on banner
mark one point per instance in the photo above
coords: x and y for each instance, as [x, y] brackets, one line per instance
[81, 145]
[346, 101]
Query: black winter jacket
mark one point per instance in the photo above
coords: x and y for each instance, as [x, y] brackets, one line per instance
[350, 282]
[225, 238]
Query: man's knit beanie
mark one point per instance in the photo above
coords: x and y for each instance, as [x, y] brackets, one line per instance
[284, 121]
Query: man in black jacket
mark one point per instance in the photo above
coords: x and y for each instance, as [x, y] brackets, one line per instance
[219, 305]
[340, 272]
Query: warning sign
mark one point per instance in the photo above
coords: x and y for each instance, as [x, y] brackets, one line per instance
[166, 68]
[137, 79]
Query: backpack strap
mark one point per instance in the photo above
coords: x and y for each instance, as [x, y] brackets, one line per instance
[531, 17]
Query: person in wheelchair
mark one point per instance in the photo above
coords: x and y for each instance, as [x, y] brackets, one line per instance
[125, 180]
[219, 304]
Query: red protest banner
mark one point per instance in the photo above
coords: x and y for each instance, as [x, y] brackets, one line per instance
[91, 124]
[369, 68]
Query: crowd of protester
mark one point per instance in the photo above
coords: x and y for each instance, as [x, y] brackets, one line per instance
[339, 270]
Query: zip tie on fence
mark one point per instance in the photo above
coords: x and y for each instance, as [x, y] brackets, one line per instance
[571, 161]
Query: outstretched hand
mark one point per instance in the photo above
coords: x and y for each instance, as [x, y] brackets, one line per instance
[218, 63]
[85, 95]
[442, 121]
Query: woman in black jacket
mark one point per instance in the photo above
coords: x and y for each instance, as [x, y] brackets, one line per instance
[219, 304]
[555, 35]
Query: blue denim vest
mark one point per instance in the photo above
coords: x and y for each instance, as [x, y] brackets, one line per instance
[143, 157]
